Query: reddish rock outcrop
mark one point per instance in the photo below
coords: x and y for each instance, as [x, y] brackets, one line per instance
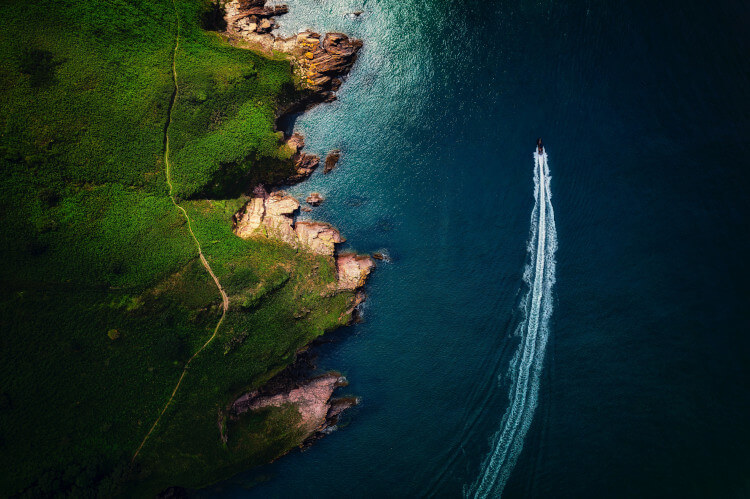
[353, 270]
[312, 398]
[268, 215]
[331, 160]
[314, 199]
[326, 62]
[296, 142]
[323, 62]
[304, 163]
[318, 237]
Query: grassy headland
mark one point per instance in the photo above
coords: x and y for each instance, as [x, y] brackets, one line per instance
[103, 298]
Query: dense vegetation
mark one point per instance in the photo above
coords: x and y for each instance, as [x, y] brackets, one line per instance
[103, 298]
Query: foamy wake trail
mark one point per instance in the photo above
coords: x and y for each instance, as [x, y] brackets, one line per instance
[526, 366]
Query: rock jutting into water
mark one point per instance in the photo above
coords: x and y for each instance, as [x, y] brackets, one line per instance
[271, 215]
[353, 270]
[318, 237]
[271, 212]
[322, 62]
[312, 397]
[331, 160]
[314, 199]
[304, 163]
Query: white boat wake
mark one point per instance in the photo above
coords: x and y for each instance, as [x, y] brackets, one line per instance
[526, 366]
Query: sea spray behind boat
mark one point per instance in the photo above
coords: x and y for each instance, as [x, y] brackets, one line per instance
[527, 363]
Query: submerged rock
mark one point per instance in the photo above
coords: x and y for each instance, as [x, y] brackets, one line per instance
[355, 201]
[382, 255]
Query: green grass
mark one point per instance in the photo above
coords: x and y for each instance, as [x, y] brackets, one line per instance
[93, 249]
[223, 117]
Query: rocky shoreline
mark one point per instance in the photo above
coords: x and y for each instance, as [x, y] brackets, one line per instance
[321, 63]
[313, 397]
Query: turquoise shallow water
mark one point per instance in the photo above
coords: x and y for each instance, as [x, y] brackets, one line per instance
[645, 115]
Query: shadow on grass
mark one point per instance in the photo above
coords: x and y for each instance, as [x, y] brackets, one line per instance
[39, 65]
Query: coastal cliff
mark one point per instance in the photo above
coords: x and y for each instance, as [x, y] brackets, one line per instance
[271, 216]
[322, 62]
[319, 411]
[150, 283]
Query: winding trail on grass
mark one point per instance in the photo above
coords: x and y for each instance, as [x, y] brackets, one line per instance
[224, 297]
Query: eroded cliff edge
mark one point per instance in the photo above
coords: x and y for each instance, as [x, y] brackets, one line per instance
[106, 299]
[321, 63]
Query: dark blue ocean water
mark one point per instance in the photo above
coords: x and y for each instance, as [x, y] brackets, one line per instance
[645, 112]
